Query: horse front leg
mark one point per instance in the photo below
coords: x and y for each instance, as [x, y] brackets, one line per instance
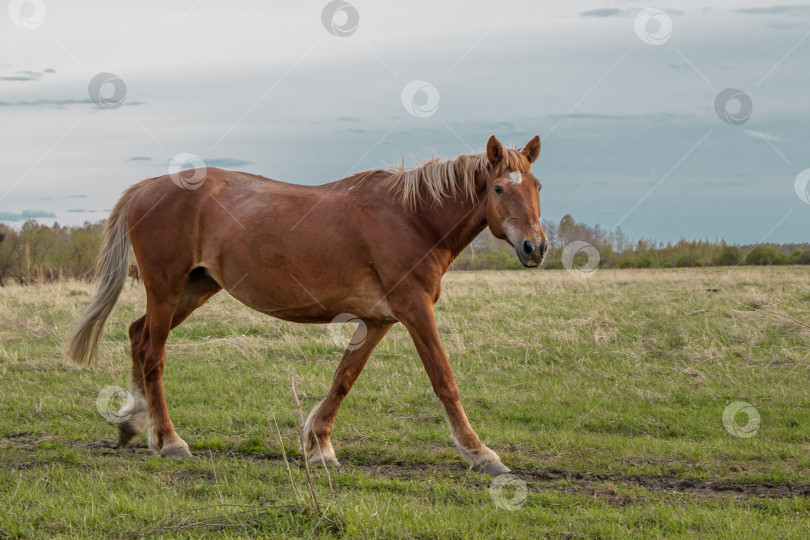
[318, 427]
[420, 321]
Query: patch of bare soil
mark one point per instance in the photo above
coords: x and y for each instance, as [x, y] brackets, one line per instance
[673, 484]
[603, 486]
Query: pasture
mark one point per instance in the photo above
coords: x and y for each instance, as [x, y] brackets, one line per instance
[605, 396]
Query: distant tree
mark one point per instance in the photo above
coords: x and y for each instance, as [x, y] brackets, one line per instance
[566, 230]
[800, 257]
[10, 253]
[645, 260]
[686, 260]
[765, 255]
[2, 237]
[728, 256]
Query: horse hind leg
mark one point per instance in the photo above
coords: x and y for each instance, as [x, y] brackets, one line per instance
[135, 414]
[133, 417]
[318, 427]
[198, 288]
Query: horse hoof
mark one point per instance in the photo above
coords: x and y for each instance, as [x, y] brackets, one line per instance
[495, 468]
[329, 461]
[125, 434]
[176, 451]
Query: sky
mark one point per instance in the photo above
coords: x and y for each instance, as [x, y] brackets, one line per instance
[631, 100]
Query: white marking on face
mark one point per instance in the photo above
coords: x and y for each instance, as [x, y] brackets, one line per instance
[515, 177]
[513, 234]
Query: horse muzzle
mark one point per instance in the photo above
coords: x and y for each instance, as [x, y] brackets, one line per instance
[531, 253]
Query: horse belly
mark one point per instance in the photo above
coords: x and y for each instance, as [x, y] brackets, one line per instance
[305, 296]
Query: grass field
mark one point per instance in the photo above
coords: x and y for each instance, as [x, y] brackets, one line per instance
[605, 395]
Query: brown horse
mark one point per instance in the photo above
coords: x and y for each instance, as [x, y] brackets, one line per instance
[134, 274]
[374, 245]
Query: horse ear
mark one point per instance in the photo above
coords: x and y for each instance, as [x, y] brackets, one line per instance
[532, 149]
[494, 150]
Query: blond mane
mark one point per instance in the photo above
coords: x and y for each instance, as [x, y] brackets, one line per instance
[435, 179]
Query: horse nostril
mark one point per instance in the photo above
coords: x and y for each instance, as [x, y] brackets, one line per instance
[528, 248]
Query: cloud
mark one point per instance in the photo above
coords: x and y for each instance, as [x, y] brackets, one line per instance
[25, 214]
[764, 136]
[140, 158]
[603, 13]
[26, 76]
[36, 214]
[79, 196]
[657, 117]
[589, 116]
[57, 103]
[786, 25]
[46, 103]
[226, 163]
[775, 10]
[23, 76]
[586, 135]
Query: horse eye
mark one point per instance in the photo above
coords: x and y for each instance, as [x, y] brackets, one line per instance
[498, 190]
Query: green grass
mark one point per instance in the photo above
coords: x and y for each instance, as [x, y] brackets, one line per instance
[605, 395]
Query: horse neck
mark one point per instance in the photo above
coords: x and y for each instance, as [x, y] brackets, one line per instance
[457, 222]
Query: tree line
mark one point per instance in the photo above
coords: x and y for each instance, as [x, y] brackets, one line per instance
[38, 253]
[617, 251]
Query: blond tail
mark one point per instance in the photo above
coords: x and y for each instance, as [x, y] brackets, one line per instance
[111, 274]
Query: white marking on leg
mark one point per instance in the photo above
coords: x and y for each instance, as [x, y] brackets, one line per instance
[476, 457]
[134, 413]
[169, 443]
[312, 413]
[151, 436]
[132, 418]
[316, 449]
[324, 452]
